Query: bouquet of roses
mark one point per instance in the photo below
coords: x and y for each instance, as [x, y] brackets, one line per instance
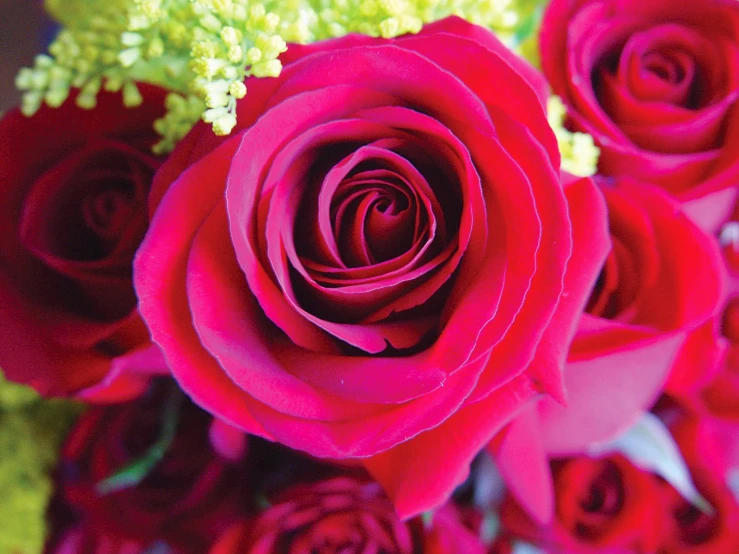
[373, 276]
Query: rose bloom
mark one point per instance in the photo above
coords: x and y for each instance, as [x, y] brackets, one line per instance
[73, 190]
[347, 516]
[656, 84]
[688, 529]
[370, 267]
[189, 497]
[650, 323]
[604, 505]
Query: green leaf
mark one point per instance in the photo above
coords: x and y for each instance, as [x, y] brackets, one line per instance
[133, 473]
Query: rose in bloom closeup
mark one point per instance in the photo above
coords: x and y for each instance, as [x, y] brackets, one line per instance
[370, 267]
[655, 83]
[186, 499]
[604, 505]
[346, 516]
[73, 190]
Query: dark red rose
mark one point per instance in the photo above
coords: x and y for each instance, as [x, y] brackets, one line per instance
[73, 210]
[604, 505]
[348, 517]
[370, 267]
[83, 539]
[187, 499]
[656, 84]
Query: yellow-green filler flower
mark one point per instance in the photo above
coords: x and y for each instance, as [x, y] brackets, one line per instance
[31, 431]
[202, 50]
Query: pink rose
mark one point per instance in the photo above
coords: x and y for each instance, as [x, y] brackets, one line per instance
[370, 267]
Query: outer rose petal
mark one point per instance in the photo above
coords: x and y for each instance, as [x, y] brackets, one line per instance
[607, 395]
[520, 449]
[531, 482]
[429, 481]
[159, 280]
[128, 377]
[229, 441]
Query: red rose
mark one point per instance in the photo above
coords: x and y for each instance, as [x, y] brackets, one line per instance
[73, 190]
[369, 267]
[187, 499]
[656, 84]
[649, 323]
[343, 515]
[87, 540]
[689, 530]
[602, 505]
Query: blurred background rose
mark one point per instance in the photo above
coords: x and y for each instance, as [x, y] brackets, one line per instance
[24, 32]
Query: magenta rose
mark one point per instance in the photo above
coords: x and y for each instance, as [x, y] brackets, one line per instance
[370, 267]
[346, 516]
[186, 499]
[73, 210]
[656, 84]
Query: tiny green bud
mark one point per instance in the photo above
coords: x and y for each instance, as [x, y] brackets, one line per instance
[224, 125]
[237, 90]
[55, 97]
[131, 95]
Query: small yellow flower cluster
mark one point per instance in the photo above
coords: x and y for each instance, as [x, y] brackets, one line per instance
[320, 19]
[31, 431]
[83, 56]
[212, 46]
[579, 152]
[202, 50]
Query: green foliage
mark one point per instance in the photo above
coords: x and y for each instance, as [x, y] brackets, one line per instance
[31, 431]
